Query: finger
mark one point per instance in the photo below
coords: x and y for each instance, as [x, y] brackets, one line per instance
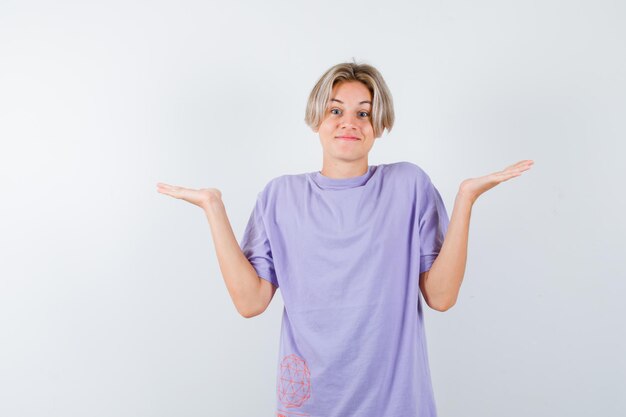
[523, 163]
[509, 175]
[505, 175]
[169, 187]
[507, 172]
[164, 185]
[517, 168]
[171, 190]
[525, 166]
[511, 166]
[512, 171]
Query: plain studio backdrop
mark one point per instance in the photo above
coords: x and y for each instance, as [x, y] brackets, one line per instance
[111, 298]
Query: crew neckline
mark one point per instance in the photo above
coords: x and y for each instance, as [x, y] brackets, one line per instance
[340, 183]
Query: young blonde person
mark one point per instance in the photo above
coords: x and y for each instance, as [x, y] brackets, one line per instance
[352, 247]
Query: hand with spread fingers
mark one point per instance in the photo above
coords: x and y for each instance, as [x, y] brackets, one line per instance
[472, 188]
[201, 198]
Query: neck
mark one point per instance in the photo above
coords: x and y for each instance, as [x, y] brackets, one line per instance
[345, 170]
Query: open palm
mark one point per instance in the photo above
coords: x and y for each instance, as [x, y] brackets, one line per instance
[474, 187]
[200, 198]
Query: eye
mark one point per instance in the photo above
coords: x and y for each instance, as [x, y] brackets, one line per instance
[333, 110]
[364, 114]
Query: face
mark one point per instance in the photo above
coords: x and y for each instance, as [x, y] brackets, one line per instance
[346, 131]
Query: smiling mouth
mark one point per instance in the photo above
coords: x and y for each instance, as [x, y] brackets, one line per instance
[348, 138]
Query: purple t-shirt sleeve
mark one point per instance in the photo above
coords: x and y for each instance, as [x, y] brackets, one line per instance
[433, 224]
[255, 244]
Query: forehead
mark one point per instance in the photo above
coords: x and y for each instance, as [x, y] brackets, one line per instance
[351, 91]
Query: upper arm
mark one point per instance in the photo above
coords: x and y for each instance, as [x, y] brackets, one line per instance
[433, 222]
[255, 246]
[422, 285]
[266, 293]
[427, 298]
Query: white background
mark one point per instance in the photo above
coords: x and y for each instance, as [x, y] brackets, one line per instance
[111, 298]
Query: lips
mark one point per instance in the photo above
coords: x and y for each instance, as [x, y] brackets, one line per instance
[348, 138]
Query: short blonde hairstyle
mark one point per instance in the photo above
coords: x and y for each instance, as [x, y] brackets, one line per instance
[382, 115]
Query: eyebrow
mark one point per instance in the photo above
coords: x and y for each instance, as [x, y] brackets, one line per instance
[361, 102]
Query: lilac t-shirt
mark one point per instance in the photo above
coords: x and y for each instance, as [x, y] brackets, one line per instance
[346, 254]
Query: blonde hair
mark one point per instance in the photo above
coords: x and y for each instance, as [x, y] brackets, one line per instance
[382, 115]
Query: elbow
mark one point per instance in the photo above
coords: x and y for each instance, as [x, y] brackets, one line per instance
[248, 305]
[443, 306]
[250, 311]
[248, 314]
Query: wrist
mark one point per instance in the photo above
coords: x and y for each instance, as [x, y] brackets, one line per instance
[465, 197]
[212, 205]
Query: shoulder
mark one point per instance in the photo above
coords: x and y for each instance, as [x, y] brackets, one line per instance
[286, 180]
[280, 184]
[407, 170]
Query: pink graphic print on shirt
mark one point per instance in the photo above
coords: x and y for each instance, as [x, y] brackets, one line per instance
[294, 384]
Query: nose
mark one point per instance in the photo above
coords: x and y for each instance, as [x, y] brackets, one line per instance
[348, 120]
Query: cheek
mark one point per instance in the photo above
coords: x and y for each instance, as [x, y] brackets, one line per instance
[367, 125]
[326, 126]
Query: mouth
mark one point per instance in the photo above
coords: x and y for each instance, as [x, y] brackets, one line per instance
[354, 138]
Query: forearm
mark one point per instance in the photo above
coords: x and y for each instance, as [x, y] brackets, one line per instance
[239, 275]
[444, 278]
